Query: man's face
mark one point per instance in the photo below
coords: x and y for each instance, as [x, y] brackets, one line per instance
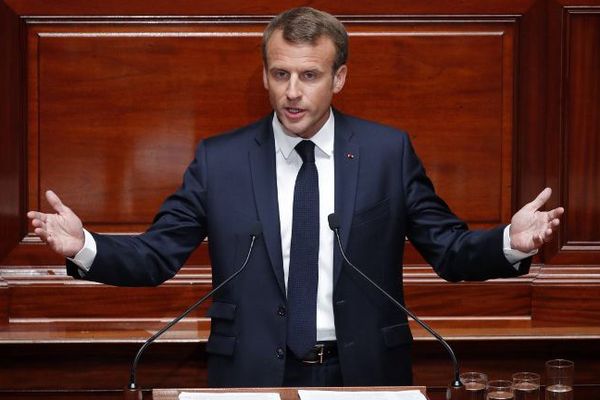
[301, 82]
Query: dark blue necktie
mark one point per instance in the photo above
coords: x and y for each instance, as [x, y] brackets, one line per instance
[304, 255]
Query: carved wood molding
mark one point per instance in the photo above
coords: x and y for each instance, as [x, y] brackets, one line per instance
[547, 296]
[4, 296]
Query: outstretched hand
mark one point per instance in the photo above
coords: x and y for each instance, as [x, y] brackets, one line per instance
[62, 231]
[531, 228]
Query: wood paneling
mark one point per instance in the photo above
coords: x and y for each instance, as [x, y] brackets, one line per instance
[233, 8]
[582, 131]
[4, 319]
[574, 129]
[52, 295]
[11, 154]
[413, 85]
[182, 363]
[90, 86]
[101, 366]
[566, 296]
[470, 299]
[529, 173]
[153, 93]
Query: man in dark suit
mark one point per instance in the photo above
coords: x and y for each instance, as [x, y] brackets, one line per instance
[297, 316]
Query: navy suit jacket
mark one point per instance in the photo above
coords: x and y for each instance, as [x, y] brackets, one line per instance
[382, 195]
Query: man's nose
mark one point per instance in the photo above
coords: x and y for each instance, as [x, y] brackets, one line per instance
[293, 91]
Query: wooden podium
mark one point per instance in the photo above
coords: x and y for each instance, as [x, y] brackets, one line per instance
[284, 393]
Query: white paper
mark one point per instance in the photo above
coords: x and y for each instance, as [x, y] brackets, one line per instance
[361, 395]
[228, 396]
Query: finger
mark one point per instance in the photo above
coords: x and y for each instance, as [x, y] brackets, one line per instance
[41, 233]
[37, 223]
[37, 215]
[55, 202]
[556, 213]
[541, 199]
[538, 241]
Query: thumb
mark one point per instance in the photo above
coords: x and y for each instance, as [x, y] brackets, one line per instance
[541, 199]
[55, 202]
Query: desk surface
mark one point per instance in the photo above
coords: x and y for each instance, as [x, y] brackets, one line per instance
[197, 330]
[285, 393]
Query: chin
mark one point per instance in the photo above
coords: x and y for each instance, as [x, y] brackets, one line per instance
[294, 129]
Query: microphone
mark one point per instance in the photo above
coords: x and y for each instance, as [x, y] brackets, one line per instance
[334, 225]
[255, 232]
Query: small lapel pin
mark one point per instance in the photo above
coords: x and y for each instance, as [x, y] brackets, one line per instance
[350, 156]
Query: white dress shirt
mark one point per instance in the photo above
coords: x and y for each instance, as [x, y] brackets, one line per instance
[288, 163]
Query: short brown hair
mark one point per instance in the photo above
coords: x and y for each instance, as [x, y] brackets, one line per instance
[307, 25]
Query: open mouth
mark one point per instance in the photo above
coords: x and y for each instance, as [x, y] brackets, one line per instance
[294, 113]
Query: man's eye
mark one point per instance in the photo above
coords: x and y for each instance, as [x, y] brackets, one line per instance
[310, 75]
[280, 74]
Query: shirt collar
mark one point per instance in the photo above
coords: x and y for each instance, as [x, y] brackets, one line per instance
[323, 139]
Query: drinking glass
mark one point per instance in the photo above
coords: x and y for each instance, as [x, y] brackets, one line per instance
[559, 379]
[526, 386]
[499, 390]
[475, 383]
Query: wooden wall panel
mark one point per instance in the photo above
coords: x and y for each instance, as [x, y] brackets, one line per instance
[55, 296]
[235, 8]
[582, 131]
[529, 173]
[121, 112]
[11, 130]
[498, 300]
[105, 366]
[4, 313]
[459, 115]
[127, 102]
[566, 296]
[574, 130]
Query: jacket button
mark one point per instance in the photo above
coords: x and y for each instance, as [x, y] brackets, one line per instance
[280, 353]
[281, 311]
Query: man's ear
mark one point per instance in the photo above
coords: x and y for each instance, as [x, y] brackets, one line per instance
[265, 82]
[339, 78]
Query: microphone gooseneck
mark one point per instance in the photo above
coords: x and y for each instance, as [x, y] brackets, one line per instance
[334, 225]
[254, 234]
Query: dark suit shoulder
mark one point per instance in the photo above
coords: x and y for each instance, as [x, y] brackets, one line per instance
[370, 131]
[258, 130]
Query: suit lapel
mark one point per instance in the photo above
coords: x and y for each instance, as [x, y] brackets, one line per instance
[264, 180]
[346, 158]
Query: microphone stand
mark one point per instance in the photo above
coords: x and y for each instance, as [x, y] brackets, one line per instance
[456, 386]
[133, 391]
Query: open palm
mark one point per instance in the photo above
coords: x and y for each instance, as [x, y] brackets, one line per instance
[531, 228]
[62, 230]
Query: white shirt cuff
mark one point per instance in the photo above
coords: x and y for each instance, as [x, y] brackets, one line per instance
[514, 256]
[85, 257]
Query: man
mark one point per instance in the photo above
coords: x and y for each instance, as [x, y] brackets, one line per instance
[297, 316]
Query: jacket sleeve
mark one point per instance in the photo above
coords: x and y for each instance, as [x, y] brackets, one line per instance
[156, 255]
[455, 252]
